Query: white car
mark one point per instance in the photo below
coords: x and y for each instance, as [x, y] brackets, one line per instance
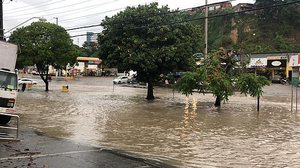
[120, 79]
[27, 81]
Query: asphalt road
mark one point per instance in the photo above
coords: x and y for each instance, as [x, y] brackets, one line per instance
[37, 150]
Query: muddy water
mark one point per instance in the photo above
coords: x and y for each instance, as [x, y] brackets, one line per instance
[186, 132]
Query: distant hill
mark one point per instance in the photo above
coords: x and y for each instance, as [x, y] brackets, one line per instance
[267, 26]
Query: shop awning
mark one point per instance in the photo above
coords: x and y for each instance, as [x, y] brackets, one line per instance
[89, 60]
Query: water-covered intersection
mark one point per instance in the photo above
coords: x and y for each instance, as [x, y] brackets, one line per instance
[184, 132]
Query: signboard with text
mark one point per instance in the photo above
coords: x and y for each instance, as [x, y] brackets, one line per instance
[276, 63]
[294, 60]
[258, 62]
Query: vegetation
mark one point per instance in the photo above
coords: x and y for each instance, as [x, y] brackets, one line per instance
[272, 29]
[144, 39]
[89, 49]
[221, 75]
[43, 44]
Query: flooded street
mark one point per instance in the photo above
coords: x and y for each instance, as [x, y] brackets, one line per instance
[185, 132]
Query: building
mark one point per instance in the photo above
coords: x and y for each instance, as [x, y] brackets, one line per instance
[88, 66]
[219, 6]
[271, 64]
[91, 37]
[243, 7]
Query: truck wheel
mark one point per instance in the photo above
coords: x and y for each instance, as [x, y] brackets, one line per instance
[4, 119]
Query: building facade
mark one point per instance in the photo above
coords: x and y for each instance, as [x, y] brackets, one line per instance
[91, 37]
[271, 64]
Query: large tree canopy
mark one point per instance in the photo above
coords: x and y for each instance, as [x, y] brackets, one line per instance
[146, 39]
[43, 44]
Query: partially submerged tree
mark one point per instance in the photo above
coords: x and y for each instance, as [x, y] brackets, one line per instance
[221, 74]
[43, 44]
[250, 84]
[147, 40]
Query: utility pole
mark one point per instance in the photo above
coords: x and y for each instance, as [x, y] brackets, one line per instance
[1, 21]
[206, 30]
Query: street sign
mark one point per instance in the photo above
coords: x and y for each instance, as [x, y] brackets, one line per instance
[295, 76]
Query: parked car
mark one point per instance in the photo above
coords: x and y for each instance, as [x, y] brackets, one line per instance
[120, 79]
[27, 81]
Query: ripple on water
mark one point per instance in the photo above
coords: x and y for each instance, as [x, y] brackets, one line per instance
[185, 132]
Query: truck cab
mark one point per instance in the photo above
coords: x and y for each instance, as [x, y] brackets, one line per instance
[8, 94]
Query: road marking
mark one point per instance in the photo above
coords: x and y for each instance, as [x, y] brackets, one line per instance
[46, 155]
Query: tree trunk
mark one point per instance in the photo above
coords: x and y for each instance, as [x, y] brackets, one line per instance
[45, 79]
[258, 103]
[150, 95]
[218, 102]
[47, 85]
[44, 75]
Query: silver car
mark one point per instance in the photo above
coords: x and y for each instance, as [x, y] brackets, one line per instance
[120, 79]
[27, 81]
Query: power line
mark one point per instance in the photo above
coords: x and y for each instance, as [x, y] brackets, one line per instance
[67, 6]
[113, 10]
[36, 6]
[83, 27]
[198, 18]
[80, 35]
[189, 20]
[143, 17]
[108, 11]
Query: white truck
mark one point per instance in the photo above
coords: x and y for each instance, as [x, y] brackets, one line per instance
[8, 81]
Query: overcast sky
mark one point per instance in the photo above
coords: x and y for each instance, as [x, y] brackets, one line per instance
[75, 13]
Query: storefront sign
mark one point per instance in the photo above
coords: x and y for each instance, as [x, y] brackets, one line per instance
[276, 63]
[258, 62]
[294, 61]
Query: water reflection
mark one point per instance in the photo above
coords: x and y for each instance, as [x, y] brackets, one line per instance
[188, 132]
[189, 116]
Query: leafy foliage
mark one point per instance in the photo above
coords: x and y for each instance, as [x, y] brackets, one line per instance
[252, 84]
[89, 49]
[43, 44]
[272, 29]
[191, 81]
[144, 39]
[222, 75]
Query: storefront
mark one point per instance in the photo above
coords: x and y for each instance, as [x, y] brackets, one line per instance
[88, 66]
[277, 65]
[294, 64]
[259, 66]
[271, 64]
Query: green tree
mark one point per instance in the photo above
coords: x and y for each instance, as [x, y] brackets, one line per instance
[145, 39]
[43, 44]
[222, 75]
[90, 49]
[250, 84]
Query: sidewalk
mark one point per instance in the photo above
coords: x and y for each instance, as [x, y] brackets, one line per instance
[36, 150]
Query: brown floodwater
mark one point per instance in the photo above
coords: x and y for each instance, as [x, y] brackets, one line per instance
[185, 132]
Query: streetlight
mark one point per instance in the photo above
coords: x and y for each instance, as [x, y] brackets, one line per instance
[41, 19]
